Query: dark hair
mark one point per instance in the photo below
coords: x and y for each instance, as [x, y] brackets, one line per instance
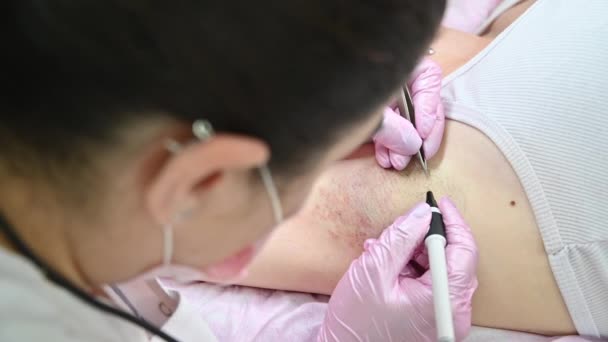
[291, 72]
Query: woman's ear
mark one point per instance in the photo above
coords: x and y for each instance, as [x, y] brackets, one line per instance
[195, 168]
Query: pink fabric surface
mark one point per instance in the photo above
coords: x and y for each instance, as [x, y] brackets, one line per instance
[468, 15]
[242, 314]
[236, 313]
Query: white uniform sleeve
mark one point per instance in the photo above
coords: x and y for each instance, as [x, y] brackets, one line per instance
[28, 328]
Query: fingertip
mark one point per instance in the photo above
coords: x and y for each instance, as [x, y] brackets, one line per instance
[397, 244]
[432, 143]
[398, 134]
[398, 161]
[458, 232]
[425, 278]
[407, 139]
[447, 202]
[415, 223]
[421, 211]
[382, 156]
[388, 112]
[425, 120]
[449, 211]
[413, 138]
[408, 272]
[431, 147]
[422, 259]
[368, 243]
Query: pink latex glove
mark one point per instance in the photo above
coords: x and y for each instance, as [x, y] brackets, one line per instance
[574, 339]
[380, 299]
[468, 15]
[397, 140]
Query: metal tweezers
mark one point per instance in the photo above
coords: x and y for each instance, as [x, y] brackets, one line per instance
[406, 109]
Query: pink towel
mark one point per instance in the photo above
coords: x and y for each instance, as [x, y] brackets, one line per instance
[468, 15]
[236, 313]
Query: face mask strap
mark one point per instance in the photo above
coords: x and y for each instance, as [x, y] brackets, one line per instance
[167, 244]
[272, 192]
[203, 131]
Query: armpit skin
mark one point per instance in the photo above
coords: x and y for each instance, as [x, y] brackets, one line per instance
[354, 211]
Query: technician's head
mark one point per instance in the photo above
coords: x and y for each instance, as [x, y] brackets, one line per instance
[96, 89]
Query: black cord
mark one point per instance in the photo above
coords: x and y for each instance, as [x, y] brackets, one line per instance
[61, 281]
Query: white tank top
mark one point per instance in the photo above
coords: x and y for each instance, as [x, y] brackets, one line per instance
[539, 91]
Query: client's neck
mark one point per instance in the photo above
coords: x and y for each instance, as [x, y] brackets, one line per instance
[36, 224]
[455, 48]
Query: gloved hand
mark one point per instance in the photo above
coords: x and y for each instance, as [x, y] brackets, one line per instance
[468, 15]
[573, 338]
[380, 299]
[397, 140]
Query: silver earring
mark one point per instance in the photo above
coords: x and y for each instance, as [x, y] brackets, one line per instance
[201, 129]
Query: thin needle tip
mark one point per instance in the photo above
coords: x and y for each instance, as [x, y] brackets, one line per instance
[425, 167]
